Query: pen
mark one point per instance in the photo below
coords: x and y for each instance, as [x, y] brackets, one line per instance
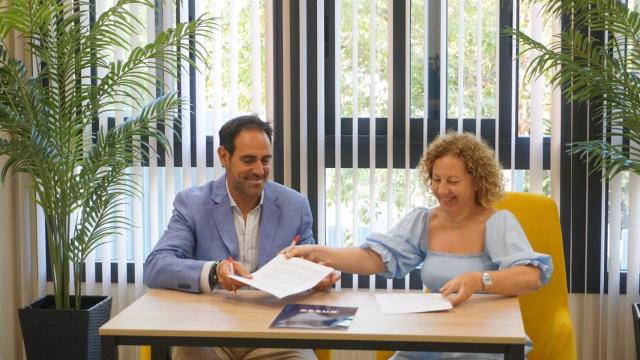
[231, 269]
[294, 241]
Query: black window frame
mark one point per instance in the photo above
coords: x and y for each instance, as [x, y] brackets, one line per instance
[505, 74]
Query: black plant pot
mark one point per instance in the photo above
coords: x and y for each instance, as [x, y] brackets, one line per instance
[64, 334]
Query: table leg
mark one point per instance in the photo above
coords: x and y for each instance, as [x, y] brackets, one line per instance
[514, 352]
[108, 348]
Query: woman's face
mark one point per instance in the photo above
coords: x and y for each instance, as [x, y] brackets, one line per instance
[452, 184]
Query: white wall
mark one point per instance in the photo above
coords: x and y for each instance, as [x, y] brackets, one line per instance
[9, 341]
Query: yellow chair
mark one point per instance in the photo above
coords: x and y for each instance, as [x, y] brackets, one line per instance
[384, 355]
[145, 352]
[322, 354]
[545, 312]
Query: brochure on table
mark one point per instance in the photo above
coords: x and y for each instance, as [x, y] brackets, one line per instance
[307, 316]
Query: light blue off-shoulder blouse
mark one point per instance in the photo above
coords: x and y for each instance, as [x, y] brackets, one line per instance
[406, 247]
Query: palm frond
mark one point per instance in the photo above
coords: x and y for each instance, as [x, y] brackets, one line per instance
[591, 69]
[46, 117]
[605, 157]
[131, 79]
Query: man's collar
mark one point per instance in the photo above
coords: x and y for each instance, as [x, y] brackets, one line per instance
[232, 201]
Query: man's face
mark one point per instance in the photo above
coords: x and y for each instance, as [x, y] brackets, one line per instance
[248, 167]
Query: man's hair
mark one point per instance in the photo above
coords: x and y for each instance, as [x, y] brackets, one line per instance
[230, 130]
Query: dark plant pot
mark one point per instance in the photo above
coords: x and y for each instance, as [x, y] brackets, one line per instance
[64, 334]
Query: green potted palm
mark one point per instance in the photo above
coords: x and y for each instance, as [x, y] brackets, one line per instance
[601, 73]
[81, 178]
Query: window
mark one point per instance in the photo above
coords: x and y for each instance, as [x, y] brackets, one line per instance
[390, 71]
[388, 67]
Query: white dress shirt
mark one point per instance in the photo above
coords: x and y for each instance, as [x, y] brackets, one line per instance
[248, 235]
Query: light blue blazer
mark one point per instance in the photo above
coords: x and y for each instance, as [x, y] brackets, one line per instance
[201, 229]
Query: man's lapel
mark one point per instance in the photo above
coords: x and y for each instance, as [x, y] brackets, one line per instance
[270, 217]
[223, 217]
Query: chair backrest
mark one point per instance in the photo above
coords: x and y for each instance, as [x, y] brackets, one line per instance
[545, 312]
[635, 309]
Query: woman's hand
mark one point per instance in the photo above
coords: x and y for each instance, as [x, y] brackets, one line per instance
[308, 252]
[311, 253]
[353, 260]
[464, 285]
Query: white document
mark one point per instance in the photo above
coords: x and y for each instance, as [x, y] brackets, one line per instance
[402, 303]
[283, 277]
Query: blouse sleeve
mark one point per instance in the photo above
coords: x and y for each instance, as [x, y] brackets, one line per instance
[404, 247]
[508, 246]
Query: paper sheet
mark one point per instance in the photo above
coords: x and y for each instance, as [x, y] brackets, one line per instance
[283, 277]
[402, 303]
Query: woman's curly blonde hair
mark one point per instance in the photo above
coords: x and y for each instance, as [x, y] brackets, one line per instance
[478, 159]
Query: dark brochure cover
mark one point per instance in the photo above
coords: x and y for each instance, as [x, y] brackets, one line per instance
[305, 316]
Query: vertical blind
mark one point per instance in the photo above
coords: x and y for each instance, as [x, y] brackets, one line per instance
[449, 80]
[215, 96]
[619, 287]
[362, 116]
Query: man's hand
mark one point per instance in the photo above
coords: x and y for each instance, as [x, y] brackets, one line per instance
[329, 280]
[464, 285]
[230, 267]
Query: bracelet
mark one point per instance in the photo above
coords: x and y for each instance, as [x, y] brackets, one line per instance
[213, 274]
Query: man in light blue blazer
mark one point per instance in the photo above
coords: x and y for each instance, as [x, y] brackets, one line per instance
[234, 224]
[202, 230]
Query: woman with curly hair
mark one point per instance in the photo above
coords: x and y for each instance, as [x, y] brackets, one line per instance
[465, 245]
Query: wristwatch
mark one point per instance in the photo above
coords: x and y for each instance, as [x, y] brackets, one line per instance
[486, 281]
[213, 274]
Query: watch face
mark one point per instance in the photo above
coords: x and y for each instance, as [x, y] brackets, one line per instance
[486, 280]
